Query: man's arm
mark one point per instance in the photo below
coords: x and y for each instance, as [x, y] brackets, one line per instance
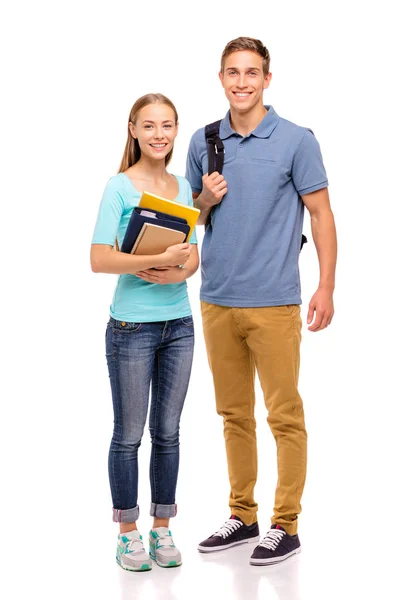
[214, 189]
[204, 210]
[324, 236]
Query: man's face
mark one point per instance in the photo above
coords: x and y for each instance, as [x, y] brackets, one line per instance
[243, 80]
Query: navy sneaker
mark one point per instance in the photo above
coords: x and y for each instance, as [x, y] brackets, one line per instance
[275, 547]
[232, 533]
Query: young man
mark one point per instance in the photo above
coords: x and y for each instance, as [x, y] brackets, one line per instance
[250, 293]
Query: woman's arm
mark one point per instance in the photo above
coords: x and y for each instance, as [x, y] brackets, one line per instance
[104, 259]
[171, 274]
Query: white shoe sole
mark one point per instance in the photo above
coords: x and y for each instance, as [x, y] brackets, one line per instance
[146, 566]
[273, 561]
[253, 540]
[170, 564]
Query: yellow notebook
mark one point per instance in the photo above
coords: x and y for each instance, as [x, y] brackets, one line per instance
[170, 207]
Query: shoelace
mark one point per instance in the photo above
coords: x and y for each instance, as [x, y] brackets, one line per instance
[272, 539]
[165, 541]
[134, 545]
[229, 527]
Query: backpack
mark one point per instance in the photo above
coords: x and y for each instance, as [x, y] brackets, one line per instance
[216, 151]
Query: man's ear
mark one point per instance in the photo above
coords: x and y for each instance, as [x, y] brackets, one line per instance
[267, 80]
[221, 78]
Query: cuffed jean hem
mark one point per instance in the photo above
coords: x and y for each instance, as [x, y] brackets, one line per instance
[163, 511]
[129, 515]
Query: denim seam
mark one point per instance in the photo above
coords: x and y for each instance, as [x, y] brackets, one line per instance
[189, 324]
[128, 330]
[114, 353]
[155, 432]
[117, 490]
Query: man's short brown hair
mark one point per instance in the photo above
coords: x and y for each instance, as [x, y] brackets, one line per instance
[250, 44]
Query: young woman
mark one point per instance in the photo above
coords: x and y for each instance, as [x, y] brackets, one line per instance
[149, 337]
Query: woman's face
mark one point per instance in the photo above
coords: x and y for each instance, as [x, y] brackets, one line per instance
[155, 129]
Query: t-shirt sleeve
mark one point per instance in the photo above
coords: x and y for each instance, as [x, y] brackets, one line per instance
[308, 171]
[193, 237]
[194, 171]
[109, 215]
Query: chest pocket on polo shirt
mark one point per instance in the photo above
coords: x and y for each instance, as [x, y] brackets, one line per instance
[262, 161]
[262, 155]
[266, 174]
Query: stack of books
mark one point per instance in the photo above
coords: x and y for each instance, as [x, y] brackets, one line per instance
[158, 223]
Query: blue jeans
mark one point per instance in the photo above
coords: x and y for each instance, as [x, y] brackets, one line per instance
[140, 354]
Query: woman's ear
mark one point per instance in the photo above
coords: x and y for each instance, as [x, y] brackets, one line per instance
[132, 130]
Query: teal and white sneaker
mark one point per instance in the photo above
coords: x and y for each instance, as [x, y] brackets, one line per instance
[163, 549]
[131, 554]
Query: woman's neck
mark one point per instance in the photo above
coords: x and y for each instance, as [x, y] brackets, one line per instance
[148, 170]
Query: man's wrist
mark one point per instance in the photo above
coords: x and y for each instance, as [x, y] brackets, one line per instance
[202, 204]
[327, 286]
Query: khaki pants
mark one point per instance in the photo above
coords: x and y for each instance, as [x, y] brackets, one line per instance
[238, 341]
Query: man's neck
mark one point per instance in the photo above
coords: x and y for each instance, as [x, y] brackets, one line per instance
[244, 123]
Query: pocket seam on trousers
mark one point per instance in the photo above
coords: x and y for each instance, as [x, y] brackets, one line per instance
[124, 331]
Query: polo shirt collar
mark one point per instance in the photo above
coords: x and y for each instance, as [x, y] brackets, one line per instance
[263, 129]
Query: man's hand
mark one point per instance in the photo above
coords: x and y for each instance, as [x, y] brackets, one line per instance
[320, 310]
[163, 275]
[214, 189]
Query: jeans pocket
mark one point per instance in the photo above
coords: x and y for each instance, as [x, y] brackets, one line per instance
[126, 326]
[187, 321]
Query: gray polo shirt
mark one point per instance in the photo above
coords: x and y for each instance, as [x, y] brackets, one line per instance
[251, 247]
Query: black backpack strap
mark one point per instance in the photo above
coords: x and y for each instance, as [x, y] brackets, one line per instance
[303, 241]
[215, 148]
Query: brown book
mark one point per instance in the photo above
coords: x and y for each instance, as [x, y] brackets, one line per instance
[155, 239]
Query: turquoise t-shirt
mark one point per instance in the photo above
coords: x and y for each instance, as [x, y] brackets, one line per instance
[136, 300]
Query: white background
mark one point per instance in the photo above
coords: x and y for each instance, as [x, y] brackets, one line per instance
[70, 74]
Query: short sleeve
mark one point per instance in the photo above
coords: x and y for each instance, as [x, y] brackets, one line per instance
[308, 171]
[194, 171]
[109, 215]
[193, 237]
